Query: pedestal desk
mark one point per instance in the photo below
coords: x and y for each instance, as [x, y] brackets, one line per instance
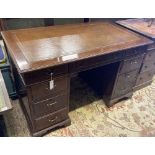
[45, 58]
[145, 27]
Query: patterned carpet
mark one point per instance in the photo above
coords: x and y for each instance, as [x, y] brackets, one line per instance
[90, 116]
[1, 98]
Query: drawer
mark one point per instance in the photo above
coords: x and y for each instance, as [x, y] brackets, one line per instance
[96, 61]
[50, 105]
[149, 61]
[124, 83]
[150, 56]
[49, 120]
[149, 65]
[145, 77]
[45, 74]
[135, 51]
[131, 64]
[152, 46]
[41, 91]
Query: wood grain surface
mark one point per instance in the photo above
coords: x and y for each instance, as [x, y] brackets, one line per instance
[37, 48]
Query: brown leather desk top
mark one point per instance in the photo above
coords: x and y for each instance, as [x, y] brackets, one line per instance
[139, 25]
[37, 48]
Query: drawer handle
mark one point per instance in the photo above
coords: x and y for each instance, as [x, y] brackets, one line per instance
[51, 104]
[53, 120]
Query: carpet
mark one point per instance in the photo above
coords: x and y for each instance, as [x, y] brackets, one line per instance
[133, 117]
[2, 103]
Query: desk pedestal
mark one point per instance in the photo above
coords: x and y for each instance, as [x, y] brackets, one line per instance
[47, 108]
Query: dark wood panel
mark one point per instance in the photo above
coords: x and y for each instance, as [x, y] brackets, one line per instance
[95, 62]
[131, 64]
[145, 77]
[150, 56]
[41, 91]
[141, 26]
[49, 120]
[43, 75]
[136, 51]
[149, 61]
[50, 105]
[152, 46]
[124, 84]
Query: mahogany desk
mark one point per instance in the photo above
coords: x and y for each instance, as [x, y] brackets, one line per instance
[46, 57]
[142, 26]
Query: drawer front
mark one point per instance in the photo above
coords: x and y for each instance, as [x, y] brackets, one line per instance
[152, 46]
[131, 64]
[45, 74]
[150, 56]
[94, 62]
[49, 120]
[50, 105]
[135, 51]
[148, 66]
[145, 77]
[125, 83]
[41, 91]
[149, 61]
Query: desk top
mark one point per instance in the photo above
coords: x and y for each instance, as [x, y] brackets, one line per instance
[5, 103]
[37, 48]
[140, 25]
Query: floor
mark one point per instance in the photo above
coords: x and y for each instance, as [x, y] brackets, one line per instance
[90, 116]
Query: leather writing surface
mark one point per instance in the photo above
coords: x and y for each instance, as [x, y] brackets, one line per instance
[37, 48]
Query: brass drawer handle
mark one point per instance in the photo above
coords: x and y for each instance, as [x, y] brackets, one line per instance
[53, 120]
[51, 104]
